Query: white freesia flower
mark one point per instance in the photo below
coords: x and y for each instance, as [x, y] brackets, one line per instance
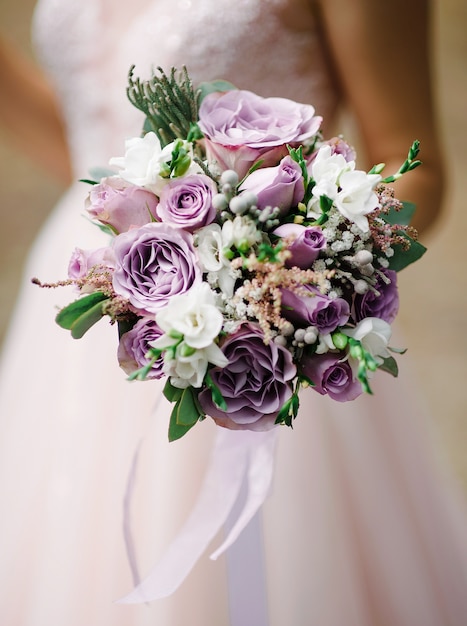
[351, 190]
[144, 160]
[194, 315]
[374, 335]
[189, 370]
[212, 241]
[240, 232]
[326, 170]
[356, 197]
[325, 344]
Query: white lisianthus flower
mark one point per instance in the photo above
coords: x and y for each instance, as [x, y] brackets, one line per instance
[145, 160]
[212, 243]
[193, 315]
[374, 335]
[189, 370]
[351, 190]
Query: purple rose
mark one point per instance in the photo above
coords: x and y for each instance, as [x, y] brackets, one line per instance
[332, 375]
[121, 205]
[154, 263]
[281, 186]
[306, 246]
[255, 383]
[385, 305]
[338, 146]
[187, 202]
[240, 127]
[82, 261]
[318, 310]
[134, 346]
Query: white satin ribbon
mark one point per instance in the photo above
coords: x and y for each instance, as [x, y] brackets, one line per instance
[237, 455]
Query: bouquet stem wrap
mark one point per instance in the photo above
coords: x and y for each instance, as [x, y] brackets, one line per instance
[238, 458]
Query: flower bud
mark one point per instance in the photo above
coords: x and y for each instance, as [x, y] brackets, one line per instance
[363, 257]
[340, 340]
[299, 335]
[367, 270]
[181, 166]
[238, 205]
[360, 287]
[229, 177]
[280, 340]
[219, 202]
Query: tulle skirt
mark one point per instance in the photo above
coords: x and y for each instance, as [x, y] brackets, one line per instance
[361, 528]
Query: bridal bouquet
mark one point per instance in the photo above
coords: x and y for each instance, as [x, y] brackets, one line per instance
[248, 257]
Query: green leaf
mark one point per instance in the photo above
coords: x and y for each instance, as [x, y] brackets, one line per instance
[402, 217]
[81, 314]
[124, 326]
[184, 416]
[173, 394]
[85, 321]
[402, 258]
[217, 396]
[206, 88]
[390, 365]
[397, 350]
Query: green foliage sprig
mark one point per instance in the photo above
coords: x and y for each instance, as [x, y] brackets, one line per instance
[169, 103]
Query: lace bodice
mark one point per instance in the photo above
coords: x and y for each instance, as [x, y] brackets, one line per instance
[269, 46]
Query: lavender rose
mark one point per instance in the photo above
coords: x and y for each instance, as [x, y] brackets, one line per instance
[332, 376]
[240, 127]
[306, 246]
[281, 186]
[154, 263]
[82, 261]
[255, 383]
[134, 346]
[338, 146]
[318, 310]
[121, 205]
[385, 306]
[187, 202]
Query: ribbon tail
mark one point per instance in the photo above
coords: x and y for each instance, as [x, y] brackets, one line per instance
[127, 534]
[220, 489]
[260, 450]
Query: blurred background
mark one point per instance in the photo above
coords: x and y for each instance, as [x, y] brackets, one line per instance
[433, 292]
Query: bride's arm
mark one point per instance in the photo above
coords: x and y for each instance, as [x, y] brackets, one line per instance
[29, 113]
[381, 51]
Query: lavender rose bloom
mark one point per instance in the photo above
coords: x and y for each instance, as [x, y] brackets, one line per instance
[308, 243]
[134, 346]
[385, 306]
[240, 127]
[332, 376]
[154, 263]
[187, 202]
[281, 186]
[82, 261]
[318, 310]
[255, 383]
[338, 146]
[121, 205]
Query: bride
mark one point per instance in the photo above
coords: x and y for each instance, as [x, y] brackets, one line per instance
[359, 529]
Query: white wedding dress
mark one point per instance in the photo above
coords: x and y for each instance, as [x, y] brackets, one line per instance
[360, 529]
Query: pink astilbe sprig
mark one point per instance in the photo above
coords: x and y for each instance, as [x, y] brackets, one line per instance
[99, 278]
[383, 234]
[263, 290]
